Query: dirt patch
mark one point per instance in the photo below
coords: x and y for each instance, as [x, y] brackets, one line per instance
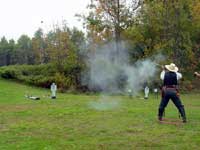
[15, 108]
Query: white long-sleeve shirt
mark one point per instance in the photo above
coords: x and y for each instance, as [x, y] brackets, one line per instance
[162, 75]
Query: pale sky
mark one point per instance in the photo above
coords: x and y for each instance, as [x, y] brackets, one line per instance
[24, 16]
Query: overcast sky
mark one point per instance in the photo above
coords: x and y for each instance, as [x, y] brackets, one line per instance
[24, 16]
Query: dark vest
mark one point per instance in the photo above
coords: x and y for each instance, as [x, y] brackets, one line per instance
[170, 78]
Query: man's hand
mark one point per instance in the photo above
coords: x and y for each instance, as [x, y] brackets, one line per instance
[197, 74]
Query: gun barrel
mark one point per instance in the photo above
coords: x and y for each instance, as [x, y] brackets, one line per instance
[158, 65]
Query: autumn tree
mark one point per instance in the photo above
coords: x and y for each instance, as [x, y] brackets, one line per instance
[164, 27]
[38, 43]
[107, 19]
[60, 48]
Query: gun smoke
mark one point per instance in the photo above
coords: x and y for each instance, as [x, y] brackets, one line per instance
[105, 103]
[110, 71]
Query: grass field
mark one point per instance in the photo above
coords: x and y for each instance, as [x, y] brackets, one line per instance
[84, 122]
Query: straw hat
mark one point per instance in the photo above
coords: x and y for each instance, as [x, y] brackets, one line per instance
[172, 67]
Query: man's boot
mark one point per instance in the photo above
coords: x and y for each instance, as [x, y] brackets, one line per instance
[182, 112]
[160, 114]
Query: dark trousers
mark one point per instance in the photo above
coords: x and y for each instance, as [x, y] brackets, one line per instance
[171, 94]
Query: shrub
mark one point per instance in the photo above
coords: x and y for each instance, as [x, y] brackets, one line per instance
[43, 75]
[10, 73]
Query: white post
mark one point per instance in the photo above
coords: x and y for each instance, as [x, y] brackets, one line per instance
[146, 92]
[53, 90]
[130, 93]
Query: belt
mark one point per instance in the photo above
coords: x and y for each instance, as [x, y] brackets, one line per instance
[171, 86]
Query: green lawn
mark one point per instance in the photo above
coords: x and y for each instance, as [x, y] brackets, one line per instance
[84, 122]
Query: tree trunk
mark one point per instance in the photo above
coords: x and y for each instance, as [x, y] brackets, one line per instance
[117, 30]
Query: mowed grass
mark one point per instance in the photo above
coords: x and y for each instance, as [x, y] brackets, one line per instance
[70, 123]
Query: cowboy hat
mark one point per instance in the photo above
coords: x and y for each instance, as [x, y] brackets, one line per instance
[172, 67]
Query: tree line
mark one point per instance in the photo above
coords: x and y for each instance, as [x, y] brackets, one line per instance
[55, 46]
[170, 27]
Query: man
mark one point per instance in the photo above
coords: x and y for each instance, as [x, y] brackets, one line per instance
[170, 77]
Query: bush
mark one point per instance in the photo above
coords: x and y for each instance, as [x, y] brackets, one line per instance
[10, 73]
[43, 75]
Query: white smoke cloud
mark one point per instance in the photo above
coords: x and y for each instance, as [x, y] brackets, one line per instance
[105, 103]
[110, 70]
